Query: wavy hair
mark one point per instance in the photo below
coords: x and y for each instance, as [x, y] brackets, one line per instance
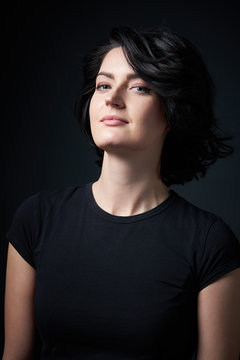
[173, 67]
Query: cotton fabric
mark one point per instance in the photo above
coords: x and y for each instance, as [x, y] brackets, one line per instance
[119, 287]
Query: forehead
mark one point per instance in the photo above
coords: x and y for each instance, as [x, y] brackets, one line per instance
[115, 61]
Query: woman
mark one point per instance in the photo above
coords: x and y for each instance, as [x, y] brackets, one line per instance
[123, 267]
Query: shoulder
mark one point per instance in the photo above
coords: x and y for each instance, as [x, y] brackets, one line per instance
[193, 215]
[50, 200]
[192, 211]
[209, 236]
[37, 213]
[213, 248]
[196, 221]
[35, 209]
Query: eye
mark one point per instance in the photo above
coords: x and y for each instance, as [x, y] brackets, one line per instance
[102, 87]
[141, 89]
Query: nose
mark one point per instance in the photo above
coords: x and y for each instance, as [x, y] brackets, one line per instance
[115, 100]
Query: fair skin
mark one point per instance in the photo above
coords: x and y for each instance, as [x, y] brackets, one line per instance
[130, 183]
[19, 315]
[219, 319]
[129, 178]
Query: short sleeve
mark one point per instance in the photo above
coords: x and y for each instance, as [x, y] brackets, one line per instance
[220, 254]
[22, 230]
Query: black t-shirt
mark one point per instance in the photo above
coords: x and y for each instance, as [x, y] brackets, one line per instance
[119, 287]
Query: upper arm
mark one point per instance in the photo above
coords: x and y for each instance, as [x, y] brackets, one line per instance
[219, 319]
[19, 305]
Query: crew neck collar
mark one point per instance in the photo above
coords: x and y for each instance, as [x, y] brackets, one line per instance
[132, 218]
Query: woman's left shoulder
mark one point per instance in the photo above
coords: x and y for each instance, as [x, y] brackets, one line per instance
[204, 220]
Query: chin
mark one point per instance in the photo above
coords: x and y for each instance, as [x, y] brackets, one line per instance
[112, 147]
[107, 147]
[105, 144]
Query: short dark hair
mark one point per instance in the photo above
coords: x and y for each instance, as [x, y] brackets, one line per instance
[173, 67]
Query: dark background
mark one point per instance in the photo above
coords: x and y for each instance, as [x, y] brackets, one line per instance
[42, 47]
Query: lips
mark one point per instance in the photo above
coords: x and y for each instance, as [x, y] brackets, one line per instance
[113, 119]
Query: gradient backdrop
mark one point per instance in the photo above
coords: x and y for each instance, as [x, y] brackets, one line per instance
[43, 46]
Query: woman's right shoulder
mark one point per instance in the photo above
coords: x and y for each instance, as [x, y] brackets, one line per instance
[48, 200]
[36, 213]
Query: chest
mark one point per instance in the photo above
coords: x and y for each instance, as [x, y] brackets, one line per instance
[116, 283]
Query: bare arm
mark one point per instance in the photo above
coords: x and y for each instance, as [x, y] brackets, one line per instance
[19, 302]
[219, 319]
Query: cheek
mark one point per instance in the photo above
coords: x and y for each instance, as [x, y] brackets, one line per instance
[157, 116]
[153, 124]
[92, 117]
[152, 116]
[92, 110]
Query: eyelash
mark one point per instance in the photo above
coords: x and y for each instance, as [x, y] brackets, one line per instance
[144, 90]
[98, 87]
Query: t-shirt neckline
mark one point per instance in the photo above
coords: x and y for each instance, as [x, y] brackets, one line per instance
[132, 218]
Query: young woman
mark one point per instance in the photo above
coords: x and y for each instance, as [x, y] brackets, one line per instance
[123, 267]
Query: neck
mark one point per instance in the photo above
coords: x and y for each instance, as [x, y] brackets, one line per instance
[127, 188]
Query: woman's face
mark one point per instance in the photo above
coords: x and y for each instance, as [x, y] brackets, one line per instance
[125, 114]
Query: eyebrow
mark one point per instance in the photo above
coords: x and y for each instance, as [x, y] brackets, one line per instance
[111, 76]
